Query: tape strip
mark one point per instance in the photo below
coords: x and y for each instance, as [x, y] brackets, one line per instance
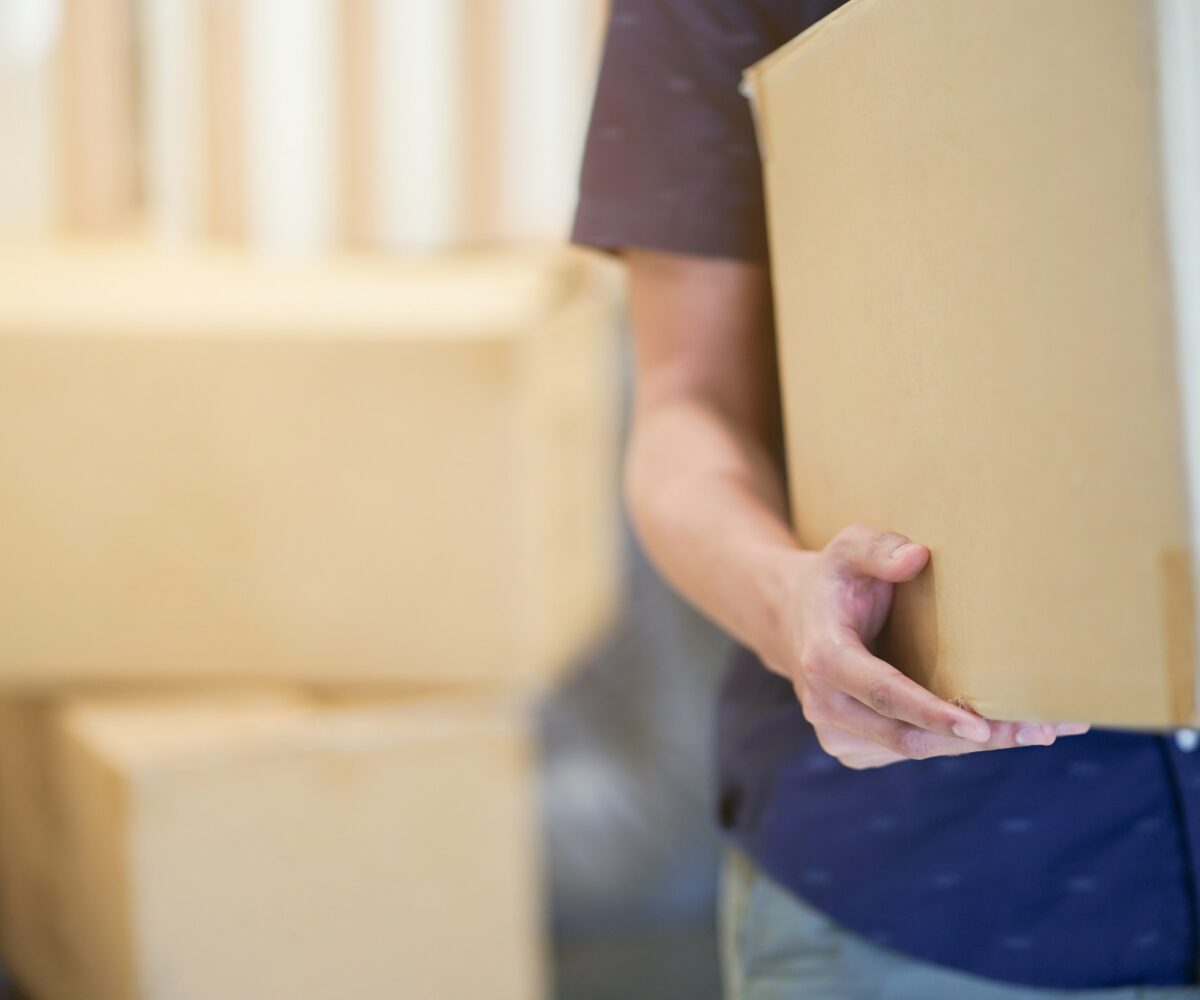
[1179, 633]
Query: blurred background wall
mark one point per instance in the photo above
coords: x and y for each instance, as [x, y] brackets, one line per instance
[297, 126]
[308, 130]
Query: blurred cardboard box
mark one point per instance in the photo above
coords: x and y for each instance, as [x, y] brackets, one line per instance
[985, 230]
[255, 846]
[363, 472]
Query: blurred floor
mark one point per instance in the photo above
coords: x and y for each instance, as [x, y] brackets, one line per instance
[670, 962]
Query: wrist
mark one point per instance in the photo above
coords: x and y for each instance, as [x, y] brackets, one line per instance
[780, 578]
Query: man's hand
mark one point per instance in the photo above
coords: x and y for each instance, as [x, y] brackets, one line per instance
[866, 713]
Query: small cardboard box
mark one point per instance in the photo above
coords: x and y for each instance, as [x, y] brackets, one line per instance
[352, 472]
[985, 238]
[265, 845]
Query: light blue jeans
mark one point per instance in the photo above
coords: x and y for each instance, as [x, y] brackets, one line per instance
[775, 947]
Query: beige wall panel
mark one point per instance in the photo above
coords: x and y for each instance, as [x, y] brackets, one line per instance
[289, 66]
[358, 27]
[224, 24]
[177, 106]
[28, 136]
[97, 131]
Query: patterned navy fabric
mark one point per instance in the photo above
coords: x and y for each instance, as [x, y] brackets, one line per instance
[1073, 866]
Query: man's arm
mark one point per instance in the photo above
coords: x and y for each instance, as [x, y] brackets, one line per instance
[707, 499]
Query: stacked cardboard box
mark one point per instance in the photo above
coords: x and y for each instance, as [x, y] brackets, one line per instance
[269, 846]
[364, 477]
[357, 472]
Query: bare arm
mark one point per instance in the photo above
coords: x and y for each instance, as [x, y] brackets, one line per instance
[707, 500]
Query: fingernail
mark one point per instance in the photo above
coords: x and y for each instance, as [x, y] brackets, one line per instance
[901, 550]
[1071, 728]
[1031, 736]
[975, 730]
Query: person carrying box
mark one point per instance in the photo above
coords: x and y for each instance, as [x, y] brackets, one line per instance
[879, 849]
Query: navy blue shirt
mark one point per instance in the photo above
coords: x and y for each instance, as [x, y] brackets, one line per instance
[1071, 866]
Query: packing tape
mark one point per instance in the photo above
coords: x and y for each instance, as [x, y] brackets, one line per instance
[1179, 638]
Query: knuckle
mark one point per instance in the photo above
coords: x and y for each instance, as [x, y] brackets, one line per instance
[865, 762]
[835, 741]
[857, 532]
[885, 544]
[914, 744]
[826, 743]
[815, 712]
[814, 662]
[882, 698]
[820, 707]
[848, 540]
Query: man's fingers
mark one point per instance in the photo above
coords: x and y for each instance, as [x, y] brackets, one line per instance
[855, 751]
[1072, 728]
[863, 738]
[879, 686]
[881, 555]
[902, 739]
[1006, 735]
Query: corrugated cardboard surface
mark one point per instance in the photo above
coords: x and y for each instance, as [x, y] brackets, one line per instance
[253, 846]
[353, 473]
[976, 340]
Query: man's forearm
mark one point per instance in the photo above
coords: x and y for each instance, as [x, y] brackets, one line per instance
[709, 506]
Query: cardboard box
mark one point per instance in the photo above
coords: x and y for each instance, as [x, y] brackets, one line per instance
[363, 472]
[985, 233]
[258, 846]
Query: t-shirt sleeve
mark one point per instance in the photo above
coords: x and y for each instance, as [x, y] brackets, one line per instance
[671, 159]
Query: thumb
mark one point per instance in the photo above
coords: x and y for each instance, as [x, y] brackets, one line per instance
[883, 555]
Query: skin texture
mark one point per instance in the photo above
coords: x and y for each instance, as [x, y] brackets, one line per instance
[707, 500]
